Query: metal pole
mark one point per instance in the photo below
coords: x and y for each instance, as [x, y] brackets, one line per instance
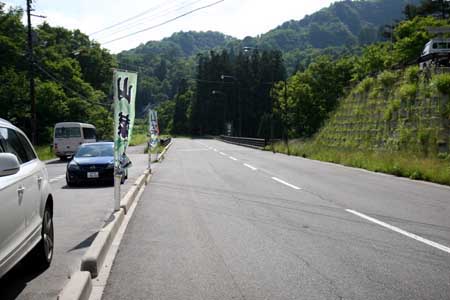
[117, 180]
[31, 77]
[149, 156]
[240, 110]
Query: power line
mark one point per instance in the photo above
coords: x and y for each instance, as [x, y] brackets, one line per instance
[155, 16]
[126, 20]
[165, 22]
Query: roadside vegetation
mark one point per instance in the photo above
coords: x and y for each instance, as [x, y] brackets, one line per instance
[44, 152]
[402, 164]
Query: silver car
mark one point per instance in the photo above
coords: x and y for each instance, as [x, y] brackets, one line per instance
[26, 202]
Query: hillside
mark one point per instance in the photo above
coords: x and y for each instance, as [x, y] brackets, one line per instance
[334, 30]
[397, 123]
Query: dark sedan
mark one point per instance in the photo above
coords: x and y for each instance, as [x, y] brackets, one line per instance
[93, 163]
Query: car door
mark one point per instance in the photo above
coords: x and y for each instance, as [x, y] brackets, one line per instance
[12, 213]
[34, 169]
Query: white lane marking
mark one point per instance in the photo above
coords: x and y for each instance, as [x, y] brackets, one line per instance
[215, 150]
[232, 158]
[401, 231]
[286, 183]
[57, 178]
[221, 153]
[250, 167]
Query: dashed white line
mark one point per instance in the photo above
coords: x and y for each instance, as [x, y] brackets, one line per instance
[232, 158]
[401, 231]
[250, 167]
[221, 153]
[286, 183]
[215, 150]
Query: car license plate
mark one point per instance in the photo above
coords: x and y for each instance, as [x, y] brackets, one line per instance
[92, 175]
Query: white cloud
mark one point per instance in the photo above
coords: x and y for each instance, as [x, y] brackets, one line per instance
[238, 18]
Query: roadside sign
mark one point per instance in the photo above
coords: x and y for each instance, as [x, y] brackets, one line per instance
[125, 84]
[154, 128]
[124, 113]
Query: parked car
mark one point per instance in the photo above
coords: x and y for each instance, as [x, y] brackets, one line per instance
[68, 136]
[26, 211]
[93, 162]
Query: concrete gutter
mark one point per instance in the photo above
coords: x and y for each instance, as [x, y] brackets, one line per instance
[79, 287]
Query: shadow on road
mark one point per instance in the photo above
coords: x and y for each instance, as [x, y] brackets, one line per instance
[17, 279]
[84, 244]
[91, 185]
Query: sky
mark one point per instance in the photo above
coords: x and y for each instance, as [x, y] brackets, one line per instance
[237, 18]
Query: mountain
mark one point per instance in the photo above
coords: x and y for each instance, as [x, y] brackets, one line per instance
[344, 23]
[338, 29]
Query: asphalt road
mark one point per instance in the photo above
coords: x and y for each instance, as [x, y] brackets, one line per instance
[220, 221]
[78, 215]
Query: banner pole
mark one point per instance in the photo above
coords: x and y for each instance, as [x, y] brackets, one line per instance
[149, 157]
[117, 180]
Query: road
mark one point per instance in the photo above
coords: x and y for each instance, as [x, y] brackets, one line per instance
[78, 215]
[219, 221]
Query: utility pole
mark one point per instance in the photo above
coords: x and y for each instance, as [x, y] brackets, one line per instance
[286, 131]
[31, 77]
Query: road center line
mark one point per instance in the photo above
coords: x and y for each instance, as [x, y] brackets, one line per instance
[221, 153]
[401, 231]
[250, 167]
[232, 158]
[286, 183]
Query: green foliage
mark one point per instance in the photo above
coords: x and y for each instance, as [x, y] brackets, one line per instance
[73, 75]
[412, 74]
[404, 164]
[45, 152]
[364, 86]
[407, 92]
[442, 83]
[388, 78]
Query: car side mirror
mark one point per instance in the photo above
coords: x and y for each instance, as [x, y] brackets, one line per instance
[9, 164]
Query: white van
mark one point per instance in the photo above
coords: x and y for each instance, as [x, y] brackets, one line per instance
[68, 136]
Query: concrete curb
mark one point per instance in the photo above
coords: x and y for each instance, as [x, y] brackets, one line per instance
[79, 287]
[161, 156]
[94, 257]
[129, 198]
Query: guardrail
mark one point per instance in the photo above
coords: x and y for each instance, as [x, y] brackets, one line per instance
[248, 142]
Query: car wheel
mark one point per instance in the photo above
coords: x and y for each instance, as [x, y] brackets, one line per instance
[69, 183]
[43, 252]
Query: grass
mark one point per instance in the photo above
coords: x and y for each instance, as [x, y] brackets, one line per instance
[396, 163]
[138, 139]
[44, 152]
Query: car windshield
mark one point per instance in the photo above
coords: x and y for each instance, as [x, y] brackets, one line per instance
[95, 150]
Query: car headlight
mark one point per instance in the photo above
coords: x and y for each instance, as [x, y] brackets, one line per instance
[73, 166]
